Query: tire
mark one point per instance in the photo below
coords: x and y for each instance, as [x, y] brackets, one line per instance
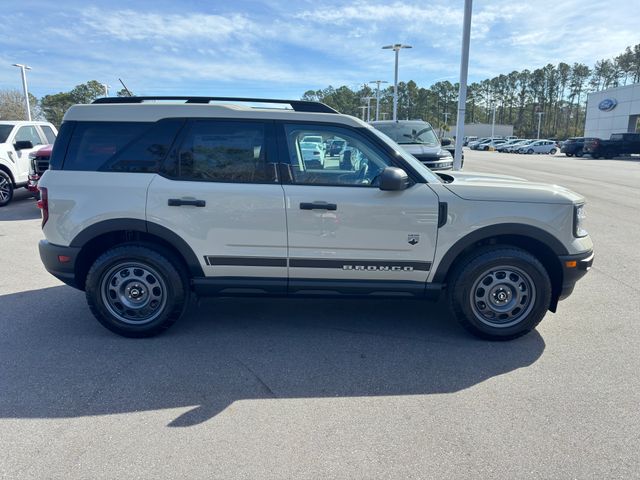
[151, 274]
[553, 151]
[570, 154]
[6, 189]
[513, 306]
[579, 153]
[595, 156]
[530, 151]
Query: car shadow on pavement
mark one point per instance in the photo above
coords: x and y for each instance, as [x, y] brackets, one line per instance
[22, 207]
[56, 361]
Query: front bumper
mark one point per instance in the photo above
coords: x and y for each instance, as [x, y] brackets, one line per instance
[574, 267]
[60, 261]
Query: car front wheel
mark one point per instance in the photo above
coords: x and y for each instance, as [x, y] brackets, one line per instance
[553, 151]
[500, 293]
[136, 291]
[6, 189]
[530, 151]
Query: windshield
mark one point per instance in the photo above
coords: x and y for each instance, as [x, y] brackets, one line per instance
[5, 130]
[410, 159]
[411, 133]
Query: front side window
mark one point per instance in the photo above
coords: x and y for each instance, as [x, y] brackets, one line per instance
[223, 151]
[355, 163]
[409, 133]
[28, 133]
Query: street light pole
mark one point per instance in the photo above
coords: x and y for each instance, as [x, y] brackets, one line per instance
[368, 99]
[363, 108]
[396, 48]
[378, 82]
[493, 121]
[24, 87]
[462, 93]
[539, 121]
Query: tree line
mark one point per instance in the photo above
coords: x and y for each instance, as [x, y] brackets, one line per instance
[559, 92]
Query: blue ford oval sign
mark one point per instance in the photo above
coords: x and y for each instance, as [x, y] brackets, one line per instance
[607, 104]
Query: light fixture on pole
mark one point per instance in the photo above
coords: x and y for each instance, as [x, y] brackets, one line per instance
[23, 69]
[396, 48]
[462, 93]
[378, 82]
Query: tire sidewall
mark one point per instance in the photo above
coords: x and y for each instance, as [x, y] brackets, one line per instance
[469, 274]
[176, 292]
[6, 177]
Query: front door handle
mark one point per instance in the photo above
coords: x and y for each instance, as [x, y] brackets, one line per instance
[178, 202]
[318, 206]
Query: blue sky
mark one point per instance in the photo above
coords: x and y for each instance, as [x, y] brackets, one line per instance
[283, 48]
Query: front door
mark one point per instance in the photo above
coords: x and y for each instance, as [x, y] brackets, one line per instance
[220, 193]
[345, 234]
[25, 133]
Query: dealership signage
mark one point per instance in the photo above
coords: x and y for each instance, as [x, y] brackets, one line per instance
[607, 104]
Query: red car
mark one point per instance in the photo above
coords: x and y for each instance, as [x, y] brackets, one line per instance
[39, 165]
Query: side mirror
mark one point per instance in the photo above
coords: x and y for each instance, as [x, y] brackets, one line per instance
[445, 141]
[23, 144]
[393, 179]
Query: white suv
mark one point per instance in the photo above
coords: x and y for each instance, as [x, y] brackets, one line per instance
[148, 202]
[18, 140]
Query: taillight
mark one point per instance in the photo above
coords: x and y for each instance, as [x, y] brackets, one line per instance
[43, 204]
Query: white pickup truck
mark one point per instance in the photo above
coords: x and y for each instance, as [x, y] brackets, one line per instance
[18, 140]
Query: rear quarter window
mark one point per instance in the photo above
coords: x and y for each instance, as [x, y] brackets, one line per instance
[119, 146]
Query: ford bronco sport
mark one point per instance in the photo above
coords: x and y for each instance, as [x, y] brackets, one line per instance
[149, 200]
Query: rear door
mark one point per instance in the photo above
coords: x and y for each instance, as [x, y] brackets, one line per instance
[344, 233]
[220, 193]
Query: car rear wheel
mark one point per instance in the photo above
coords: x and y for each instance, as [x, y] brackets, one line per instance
[6, 189]
[499, 293]
[530, 151]
[137, 291]
[553, 151]
[569, 154]
[579, 153]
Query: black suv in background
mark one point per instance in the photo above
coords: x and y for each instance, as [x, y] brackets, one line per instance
[574, 146]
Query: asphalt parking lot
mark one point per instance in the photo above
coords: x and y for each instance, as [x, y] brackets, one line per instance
[245, 388]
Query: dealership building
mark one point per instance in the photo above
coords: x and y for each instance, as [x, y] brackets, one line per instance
[615, 110]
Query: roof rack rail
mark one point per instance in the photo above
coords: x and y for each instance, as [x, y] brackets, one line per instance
[297, 105]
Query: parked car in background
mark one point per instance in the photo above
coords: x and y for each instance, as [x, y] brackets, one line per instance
[19, 139]
[507, 144]
[516, 146]
[618, 144]
[540, 146]
[418, 138]
[336, 147]
[39, 165]
[470, 138]
[574, 146]
[479, 144]
[492, 144]
[311, 152]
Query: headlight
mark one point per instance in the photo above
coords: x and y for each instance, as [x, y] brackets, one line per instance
[579, 216]
[444, 153]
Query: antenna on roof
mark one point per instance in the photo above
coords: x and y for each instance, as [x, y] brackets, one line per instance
[125, 87]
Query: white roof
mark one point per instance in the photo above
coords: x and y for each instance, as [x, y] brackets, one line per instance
[151, 112]
[23, 122]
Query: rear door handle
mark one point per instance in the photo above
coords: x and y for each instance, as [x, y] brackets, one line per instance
[178, 202]
[318, 206]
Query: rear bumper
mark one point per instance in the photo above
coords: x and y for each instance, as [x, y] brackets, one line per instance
[60, 261]
[574, 267]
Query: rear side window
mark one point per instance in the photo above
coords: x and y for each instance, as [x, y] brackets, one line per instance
[222, 151]
[48, 132]
[120, 146]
